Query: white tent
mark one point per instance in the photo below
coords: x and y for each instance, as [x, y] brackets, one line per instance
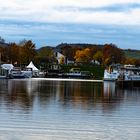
[34, 68]
[31, 65]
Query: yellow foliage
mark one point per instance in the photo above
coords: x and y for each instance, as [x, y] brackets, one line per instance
[83, 55]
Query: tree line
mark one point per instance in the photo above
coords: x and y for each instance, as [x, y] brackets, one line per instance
[26, 51]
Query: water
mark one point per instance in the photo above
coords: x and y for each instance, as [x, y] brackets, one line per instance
[41, 109]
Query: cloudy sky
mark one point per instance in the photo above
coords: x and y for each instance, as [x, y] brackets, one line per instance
[50, 22]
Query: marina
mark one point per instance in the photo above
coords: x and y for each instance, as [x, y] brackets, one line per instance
[127, 75]
[69, 70]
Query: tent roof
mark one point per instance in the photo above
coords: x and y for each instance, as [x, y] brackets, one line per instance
[31, 65]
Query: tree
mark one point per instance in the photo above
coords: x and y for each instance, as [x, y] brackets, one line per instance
[13, 53]
[132, 61]
[45, 52]
[45, 55]
[69, 51]
[27, 51]
[98, 56]
[83, 56]
[112, 54]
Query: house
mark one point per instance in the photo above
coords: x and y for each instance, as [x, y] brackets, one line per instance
[59, 56]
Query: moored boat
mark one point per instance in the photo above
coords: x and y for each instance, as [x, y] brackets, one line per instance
[5, 70]
[111, 74]
[77, 73]
[19, 73]
[129, 76]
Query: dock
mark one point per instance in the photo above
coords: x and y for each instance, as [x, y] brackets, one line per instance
[69, 79]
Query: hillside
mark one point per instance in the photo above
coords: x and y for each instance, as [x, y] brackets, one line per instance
[132, 54]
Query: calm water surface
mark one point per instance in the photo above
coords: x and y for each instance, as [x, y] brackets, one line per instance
[40, 109]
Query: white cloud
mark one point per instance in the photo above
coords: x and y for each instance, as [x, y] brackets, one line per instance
[46, 11]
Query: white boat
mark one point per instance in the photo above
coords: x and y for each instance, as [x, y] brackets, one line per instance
[4, 70]
[129, 77]
[130, 73]
[111, 74]
[19, 73]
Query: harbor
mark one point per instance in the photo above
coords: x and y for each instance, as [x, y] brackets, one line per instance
[69, 70]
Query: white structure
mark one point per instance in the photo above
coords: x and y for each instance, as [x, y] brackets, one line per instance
[7, 66]
[34, 68]
[5, 70]
[59, 56]
[111, 75]
[131, 73]
[18, 73]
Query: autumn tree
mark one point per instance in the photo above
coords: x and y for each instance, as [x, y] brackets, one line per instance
[13, 53]
[83, 56]
[112, 54]
[69, 51]
[132, 61]
[27, 51]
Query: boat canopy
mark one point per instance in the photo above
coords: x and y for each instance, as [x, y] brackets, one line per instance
[7, 66]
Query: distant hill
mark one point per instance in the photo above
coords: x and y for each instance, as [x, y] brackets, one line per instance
[78, 45]
[132, 53]
[44, 48]
[129, 53]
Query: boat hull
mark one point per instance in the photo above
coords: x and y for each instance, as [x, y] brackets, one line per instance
[20, 74]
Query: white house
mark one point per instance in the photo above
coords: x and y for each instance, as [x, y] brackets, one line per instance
[59, 56]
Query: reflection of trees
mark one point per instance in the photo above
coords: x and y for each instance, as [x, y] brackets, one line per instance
[26, 93]
[18, 95]
[31, 94]
[90, 94]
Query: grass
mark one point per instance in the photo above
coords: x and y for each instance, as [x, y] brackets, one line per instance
[132, 54]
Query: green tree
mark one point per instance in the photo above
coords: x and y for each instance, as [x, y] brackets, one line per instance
[98, 56]
[45, 55]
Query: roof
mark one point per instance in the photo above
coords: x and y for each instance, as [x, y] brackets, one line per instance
[31, 65]
[7, 66]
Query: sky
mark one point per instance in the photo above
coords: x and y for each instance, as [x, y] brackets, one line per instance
[51, 22]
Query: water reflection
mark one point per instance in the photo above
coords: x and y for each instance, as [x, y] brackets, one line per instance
[26, 93]
[41, 109]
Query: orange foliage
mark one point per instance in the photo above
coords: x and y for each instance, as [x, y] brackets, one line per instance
[83, 55]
